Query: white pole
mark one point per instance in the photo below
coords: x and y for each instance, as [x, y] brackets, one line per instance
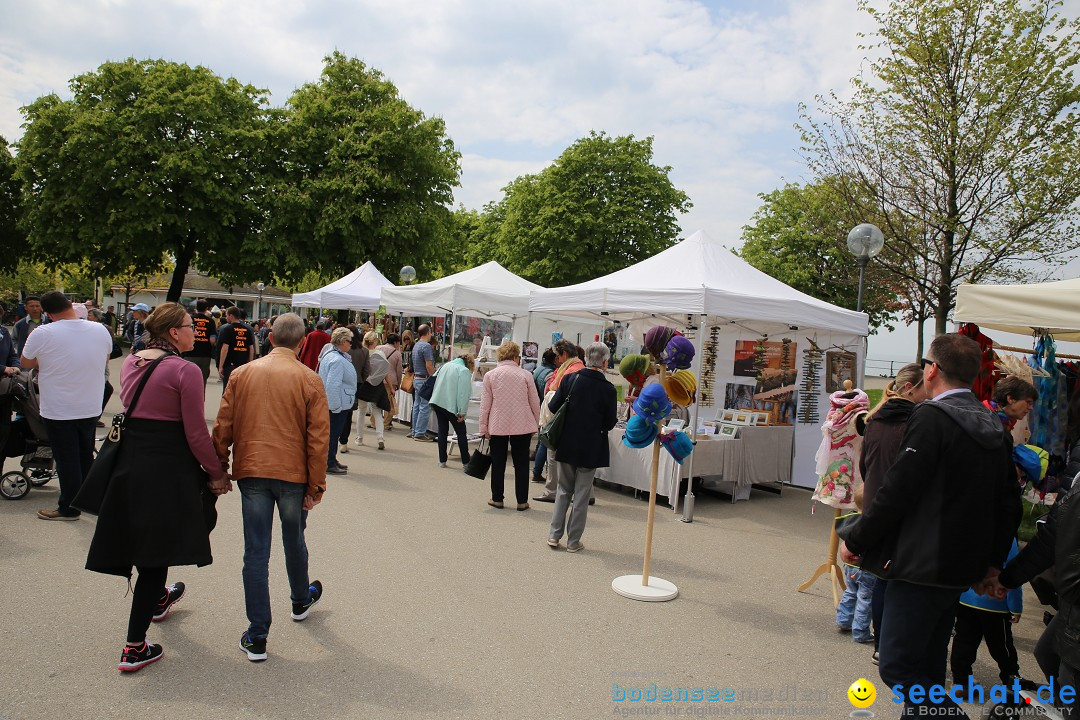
[688, 507]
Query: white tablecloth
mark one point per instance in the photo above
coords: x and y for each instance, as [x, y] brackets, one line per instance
[758, 455]
[404, 413]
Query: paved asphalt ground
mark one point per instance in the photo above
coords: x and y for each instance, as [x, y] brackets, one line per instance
[438, 606]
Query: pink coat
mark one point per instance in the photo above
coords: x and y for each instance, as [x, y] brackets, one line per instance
[509, 405]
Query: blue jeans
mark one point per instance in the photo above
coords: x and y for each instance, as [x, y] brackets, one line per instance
[914, 645]
[540, 460]
[420, 411]
[72, 443]
[258, 497]
[854, 610]
[337, 424]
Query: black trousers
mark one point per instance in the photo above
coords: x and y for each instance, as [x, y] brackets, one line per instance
[445, 419]
[915, 630]
[972, 627]
[72, 443]
[877, 609]
[149, 592]
[519, 451]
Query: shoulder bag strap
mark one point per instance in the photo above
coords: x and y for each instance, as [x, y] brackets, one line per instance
[142, 383]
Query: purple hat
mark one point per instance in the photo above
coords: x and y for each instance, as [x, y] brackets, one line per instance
[653, 403]
[679, 353]
[656, 339]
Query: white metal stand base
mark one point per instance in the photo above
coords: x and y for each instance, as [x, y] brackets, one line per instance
[658, 590]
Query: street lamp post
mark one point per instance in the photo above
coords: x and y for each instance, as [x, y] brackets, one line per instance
[865, 242]
[258, 310]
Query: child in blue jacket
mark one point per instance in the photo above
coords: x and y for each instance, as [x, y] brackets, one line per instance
[980, 617]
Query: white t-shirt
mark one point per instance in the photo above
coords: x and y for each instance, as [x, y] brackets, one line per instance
[71, 355]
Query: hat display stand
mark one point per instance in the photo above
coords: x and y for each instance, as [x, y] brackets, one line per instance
[830, 566]
[645, 587]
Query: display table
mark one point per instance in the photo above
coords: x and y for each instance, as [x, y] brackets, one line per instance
[761, 454]
[404, 402]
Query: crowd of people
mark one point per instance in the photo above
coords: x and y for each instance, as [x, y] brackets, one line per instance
[285, 418]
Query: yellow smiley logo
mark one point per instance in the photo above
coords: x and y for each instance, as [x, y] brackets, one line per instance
[862, 693]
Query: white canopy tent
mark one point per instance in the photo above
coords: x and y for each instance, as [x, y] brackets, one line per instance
[490, 291]
[1053, 307]
[359, 290]
[699, 282]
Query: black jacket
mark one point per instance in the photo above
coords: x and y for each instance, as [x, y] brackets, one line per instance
[590, 415]
[881, 444]
[949, 505]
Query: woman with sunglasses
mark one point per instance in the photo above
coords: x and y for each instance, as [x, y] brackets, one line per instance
[154, 515]
[881, 444]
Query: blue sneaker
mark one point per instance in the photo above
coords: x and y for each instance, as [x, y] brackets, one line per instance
[300, 610]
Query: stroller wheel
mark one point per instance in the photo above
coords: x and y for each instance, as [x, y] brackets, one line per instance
[41, 477]
[14, 485]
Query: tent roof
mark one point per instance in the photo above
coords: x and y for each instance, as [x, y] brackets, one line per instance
[490, 290]
[698, 276]
[1051, 306]
[359, 290]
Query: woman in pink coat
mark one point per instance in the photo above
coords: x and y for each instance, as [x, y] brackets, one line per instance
[509, 414]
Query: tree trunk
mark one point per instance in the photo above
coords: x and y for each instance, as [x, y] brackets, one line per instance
[919, 346]
[183, 263]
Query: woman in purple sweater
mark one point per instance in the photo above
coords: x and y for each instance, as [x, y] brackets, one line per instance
[158, 509]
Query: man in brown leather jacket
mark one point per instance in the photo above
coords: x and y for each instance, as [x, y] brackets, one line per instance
[275, 417]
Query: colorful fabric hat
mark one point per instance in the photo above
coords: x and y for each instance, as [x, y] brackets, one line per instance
[635, 368]
[1032, 461]
[678, 444]
[678, 354]
[640, 432]
[681, 387]
[656, 339]
[653, 403]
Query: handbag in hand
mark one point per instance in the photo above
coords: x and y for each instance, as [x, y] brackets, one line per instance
[480, 461]
[407, 382]
[551, 432]
[92, 492]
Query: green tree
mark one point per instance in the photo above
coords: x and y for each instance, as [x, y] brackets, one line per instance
[965, 129]
[601, 206]
[363, 176]
[11, 237]
[148, 157]
[798, 236]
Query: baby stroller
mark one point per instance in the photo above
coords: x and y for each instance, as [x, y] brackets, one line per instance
[23, 436]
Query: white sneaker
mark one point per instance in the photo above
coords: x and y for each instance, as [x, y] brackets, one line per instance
[442, 464]
[359, 442]
[344, 448]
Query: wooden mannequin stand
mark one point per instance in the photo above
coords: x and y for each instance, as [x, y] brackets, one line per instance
[643, 587]
[830, 566]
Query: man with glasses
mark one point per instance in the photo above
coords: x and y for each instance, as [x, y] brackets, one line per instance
[942, 521]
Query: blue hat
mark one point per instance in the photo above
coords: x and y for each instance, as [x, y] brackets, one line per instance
[141, 306]
[653, 403]
[640, 432]
[678, 444]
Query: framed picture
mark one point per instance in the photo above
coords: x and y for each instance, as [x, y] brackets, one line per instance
[725, 414]
[839, 366]
[742, 417]
[728, 432]
[760, 418]
[530, 351]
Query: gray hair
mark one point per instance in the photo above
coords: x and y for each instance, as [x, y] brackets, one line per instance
[288, 330]
[596, 355]
[95, 314]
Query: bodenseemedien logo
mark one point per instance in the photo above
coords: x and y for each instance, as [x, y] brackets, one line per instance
[862, 694]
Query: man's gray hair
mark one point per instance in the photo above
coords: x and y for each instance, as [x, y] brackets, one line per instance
[596, 355]
[288, 330]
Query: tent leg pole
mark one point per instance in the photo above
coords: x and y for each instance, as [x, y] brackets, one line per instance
[688, 505]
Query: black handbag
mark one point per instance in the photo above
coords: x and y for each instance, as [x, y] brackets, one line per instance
[92, 492]
[428, 388]
[480, 461]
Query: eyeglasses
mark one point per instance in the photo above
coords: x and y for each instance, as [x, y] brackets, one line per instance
[181, 327]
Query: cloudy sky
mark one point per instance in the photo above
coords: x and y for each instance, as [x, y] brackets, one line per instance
[716, 83]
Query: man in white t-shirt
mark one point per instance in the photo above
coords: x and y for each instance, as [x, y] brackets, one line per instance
[70, 355]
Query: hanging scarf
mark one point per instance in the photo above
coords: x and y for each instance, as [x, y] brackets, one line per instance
[837, 460]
